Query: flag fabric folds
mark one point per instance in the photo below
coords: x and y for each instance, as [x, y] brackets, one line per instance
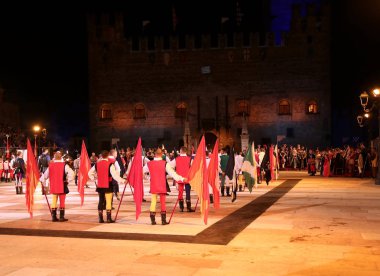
[198, 179]
[32, 178]
[249, 167]
[135, 178]
[230, 165]
[84, 167]
[213, 174]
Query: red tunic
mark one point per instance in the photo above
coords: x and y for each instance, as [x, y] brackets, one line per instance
[57, 176]
[157, 171]
[183, 166]
[103, 171]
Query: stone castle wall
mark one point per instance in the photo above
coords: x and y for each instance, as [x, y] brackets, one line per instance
[211, 79]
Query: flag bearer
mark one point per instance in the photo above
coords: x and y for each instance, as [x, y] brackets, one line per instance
[106, 174]
[60, 175]
[157, 170]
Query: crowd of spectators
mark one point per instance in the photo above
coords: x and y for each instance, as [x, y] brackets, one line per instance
[352, 161]
[16, 138]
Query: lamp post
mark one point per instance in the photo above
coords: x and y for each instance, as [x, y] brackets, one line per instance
[36, 129]
[364, 99]
[7, 155]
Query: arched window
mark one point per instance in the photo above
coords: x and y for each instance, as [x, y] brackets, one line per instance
[105, 112]
[284, 107]
[312, 107]
[181, 110]
[242, 108]
[140, 111]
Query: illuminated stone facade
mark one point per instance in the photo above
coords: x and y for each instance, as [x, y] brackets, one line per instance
[149, 87]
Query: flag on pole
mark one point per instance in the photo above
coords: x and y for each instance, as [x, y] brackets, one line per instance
[198, 179]
[249, 167]
[213, 174]
[135, 178]
[84, 168]
[32, 178]
[230, 164]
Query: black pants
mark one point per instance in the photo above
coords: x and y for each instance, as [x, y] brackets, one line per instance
[102, 201]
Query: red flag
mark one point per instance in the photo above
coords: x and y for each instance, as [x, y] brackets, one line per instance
[84, 167]
[135, 178]
[213, 174]
[198, 179]
[32, 178]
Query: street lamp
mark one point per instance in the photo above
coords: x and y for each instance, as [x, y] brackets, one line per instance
[7, 155]
[360, 118]
[36, 129]
[364, 98]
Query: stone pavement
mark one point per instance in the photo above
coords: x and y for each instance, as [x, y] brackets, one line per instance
[298, 225]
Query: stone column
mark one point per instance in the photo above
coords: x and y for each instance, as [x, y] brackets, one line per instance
[244, 135]
[187, 136]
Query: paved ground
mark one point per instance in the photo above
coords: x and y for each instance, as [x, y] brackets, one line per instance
[298, 225]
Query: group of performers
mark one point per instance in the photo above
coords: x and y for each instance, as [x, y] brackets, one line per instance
[13, 169]
[60, 172]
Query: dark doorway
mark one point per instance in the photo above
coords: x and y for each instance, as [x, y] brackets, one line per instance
[210, 140]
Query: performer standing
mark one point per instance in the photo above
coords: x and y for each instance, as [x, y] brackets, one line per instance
[157, 170]
[311, 163]
[60, 175]
[239, 159]
[222, 172]
[182, 166]
[113, 159]
[105, 172]
[19, 171]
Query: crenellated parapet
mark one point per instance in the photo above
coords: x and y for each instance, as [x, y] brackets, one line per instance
[108, 29]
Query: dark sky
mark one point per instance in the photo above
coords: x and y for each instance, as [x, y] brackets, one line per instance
[43, 61]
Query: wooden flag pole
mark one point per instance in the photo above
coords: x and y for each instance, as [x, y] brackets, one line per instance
[173, 209]
[196, 204]
[121, 200]
[47, 201]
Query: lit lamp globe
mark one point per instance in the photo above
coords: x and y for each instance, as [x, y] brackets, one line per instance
[364, 98]
[36, 128]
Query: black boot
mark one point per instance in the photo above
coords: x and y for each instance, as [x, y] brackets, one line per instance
[109, 218]
[228, 191]
[153, 218]
[211, 198]
[188, 206]
[54, 215]
[62, 215]
[222, 190]
[233, 196]
[100, 212]
[20, 190]
[181, 206]
[163, 218]
[240, 188]
[17, 190]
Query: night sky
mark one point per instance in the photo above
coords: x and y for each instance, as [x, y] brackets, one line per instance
[43, 59]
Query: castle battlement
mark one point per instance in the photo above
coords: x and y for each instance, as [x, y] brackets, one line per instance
[108, 28]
